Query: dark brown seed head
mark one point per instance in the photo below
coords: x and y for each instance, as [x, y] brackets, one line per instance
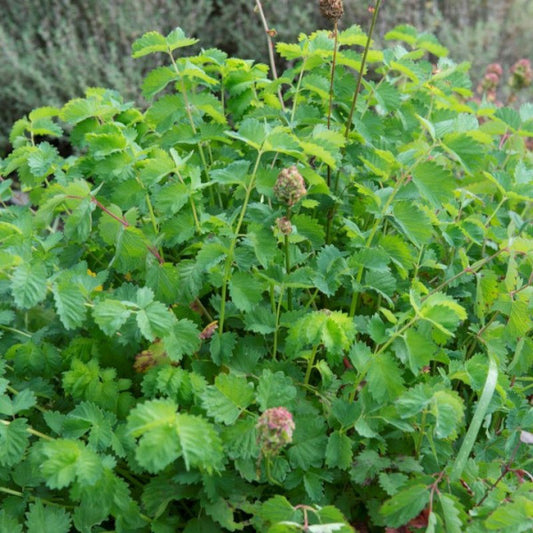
[332, 9]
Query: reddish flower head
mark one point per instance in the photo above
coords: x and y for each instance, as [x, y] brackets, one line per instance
[274, 430]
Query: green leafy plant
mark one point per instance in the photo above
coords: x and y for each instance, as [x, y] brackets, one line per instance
[232, 313]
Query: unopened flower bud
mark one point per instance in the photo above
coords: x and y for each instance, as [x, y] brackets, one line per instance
[290, 186]
[284, 225]
[332, 9]
[274, 430]
[521, 74]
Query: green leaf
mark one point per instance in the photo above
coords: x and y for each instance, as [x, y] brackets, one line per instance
[517, 514]
[278, 509]
[68, 460]
[227, 398]
[154, 169]
[452, 512]
[70, 303]
[8, 524]
[13, 441]
[275, 390]
[157, 80]
[414, 223]
[44, 519]
[110, 315]
[155, 320]
[435, 183]
[405, 505]
[153, 41]
[309, 442]
[234, 174]
[182, 339]
[448, 410]
[164, 435]
[246, 291]
[44, 160]
[385, 382]
[28, 284]
[339, 451]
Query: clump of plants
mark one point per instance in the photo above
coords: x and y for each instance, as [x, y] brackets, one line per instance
[300, 304]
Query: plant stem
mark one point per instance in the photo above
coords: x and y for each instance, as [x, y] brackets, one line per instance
[363, 64]
[29, 430]
[269, 32]
[288, 269]
[295, 97]
[13, 330]
[332, 76]
[373, 231]
[310, 364]
[231, 251]
[191, 119]
[278, 314]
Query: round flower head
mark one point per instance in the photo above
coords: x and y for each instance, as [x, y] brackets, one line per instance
[290, 186]
[274, 430]
[332, 9]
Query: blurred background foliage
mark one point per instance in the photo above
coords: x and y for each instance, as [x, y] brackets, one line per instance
[51, 50]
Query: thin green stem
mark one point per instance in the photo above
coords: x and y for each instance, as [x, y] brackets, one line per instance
[363, 64]
[13, 330]
[191, 119]
[231, 251]
[295, 97]
[310, 365]
[373, 231]
[288, 269]
[31, 431]
[332, 75]
[276, 331]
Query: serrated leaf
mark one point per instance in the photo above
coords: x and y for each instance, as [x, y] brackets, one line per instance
[28, 284]
[227, 398]
[8, 524]
[448, 410]
[182, 339]
[155, 320]
[414, 223]
[385, 381]
[70, 303]
[153, 41]
[157, 80]
[434, 182]
[245, 290]
[452, 513]
[164, 435]
[154, 169]
[277, 509]
[274, 390]
[234, 174]
[405, 505]
[44, 519]
[110, 315]
[339, 451]
[44, 160]
[517, 514]
[13, 441]
[309, 442]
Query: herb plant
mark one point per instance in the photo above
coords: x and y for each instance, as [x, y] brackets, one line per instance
[265, 305]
